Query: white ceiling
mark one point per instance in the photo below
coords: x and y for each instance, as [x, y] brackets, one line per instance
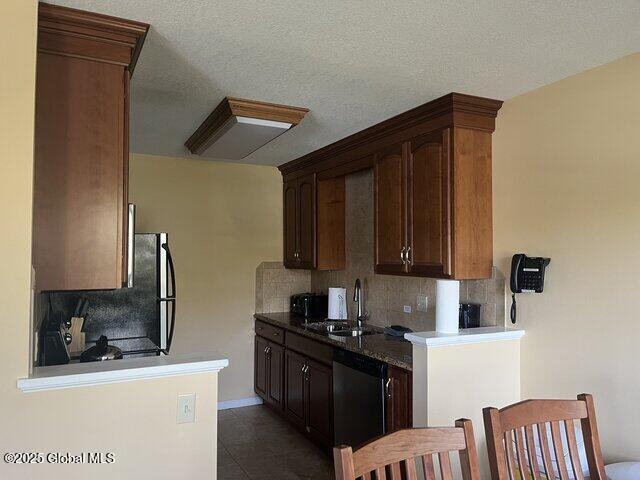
[352, 63]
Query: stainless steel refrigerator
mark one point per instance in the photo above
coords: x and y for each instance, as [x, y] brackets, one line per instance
[139, 320]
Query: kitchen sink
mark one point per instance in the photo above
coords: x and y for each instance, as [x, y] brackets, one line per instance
[339, 329]
[328, 326]
[353, 332]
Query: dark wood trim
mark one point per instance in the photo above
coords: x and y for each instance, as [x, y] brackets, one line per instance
[77, 33]
[201, 139]
[454, 109]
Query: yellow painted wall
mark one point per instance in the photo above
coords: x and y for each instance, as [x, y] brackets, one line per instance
[223, 219]
[446, 388]
[566, 186]
[135, 421]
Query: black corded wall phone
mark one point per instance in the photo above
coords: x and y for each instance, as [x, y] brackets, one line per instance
[527, 275]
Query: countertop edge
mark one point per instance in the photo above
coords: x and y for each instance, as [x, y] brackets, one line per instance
[126, 370]
[264, 317]
[472, 335]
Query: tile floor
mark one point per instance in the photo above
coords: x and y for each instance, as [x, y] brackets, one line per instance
[254, 443]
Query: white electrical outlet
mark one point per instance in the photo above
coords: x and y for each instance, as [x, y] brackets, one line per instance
[422, 303]
[186, 408]
[406, 309]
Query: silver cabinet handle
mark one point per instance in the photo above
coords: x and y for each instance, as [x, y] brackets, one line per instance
[402, 252]
[408, 255]
[386, 388]
[303, 367]
[131, 232]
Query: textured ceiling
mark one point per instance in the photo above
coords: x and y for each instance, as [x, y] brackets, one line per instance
[352, 63]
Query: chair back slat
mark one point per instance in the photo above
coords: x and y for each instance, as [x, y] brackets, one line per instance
[410, 469]
[531, 451]
[427, 466]
[445, 466]
[544, 448]
[381, 474]
[558, 451]
[508, 446]
[522, 459]
[394, 471]
[572, 443]
[393, 456]
[512, 444]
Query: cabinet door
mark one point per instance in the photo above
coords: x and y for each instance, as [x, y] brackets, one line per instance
[294, 399]
[399, 392]
[79, 174]
[260, 367]
[428, 217]
[319, 402]
[275, 360]
[390, 210]
[290, 204]
[307, 222]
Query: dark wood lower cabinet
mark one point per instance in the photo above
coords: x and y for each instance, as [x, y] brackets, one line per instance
[300, 386]
[268, 381]
[319, 403]
[309, 397]
[260, 368]
[399, 392]
[295, 385]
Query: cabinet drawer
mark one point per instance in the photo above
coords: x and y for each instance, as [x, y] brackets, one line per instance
[312, 349]
[274, 334]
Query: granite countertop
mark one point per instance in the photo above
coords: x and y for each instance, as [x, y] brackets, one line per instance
[392, 350]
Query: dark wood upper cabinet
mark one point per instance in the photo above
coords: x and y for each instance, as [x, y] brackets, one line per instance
[290, 204]
[300, 222]
[432, 206]
[81, 162]
[307, 222]
[390, 210]
[428, 205]
[314, 225]
[432, 186]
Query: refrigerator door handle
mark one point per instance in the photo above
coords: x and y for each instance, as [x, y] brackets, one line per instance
[131, 231]
[171, 295]
[172, 301]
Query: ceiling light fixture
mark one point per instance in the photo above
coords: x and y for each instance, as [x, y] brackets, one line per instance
[238, 127]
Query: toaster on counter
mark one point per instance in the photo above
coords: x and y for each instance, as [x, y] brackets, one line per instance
[310, 305]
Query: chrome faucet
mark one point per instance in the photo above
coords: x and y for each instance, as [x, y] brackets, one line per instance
[357, 297]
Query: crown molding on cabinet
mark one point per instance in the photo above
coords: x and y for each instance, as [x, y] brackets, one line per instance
[77, 33]
[454, 109]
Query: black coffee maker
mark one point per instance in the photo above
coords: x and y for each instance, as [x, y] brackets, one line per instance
[469, 316]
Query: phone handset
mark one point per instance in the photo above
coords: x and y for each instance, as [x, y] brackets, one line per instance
[527, 275]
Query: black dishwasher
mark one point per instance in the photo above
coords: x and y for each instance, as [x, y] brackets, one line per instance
[358, 398]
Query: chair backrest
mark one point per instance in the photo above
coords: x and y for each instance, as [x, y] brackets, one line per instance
[520, 438]
[394, 456]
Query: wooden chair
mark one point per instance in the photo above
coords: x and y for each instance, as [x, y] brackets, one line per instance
[512, 446]
[394, 455]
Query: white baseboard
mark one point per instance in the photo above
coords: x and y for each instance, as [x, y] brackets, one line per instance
[241, 402]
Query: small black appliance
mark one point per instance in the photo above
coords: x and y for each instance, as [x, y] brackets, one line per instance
[310, 305]
[469, 316]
